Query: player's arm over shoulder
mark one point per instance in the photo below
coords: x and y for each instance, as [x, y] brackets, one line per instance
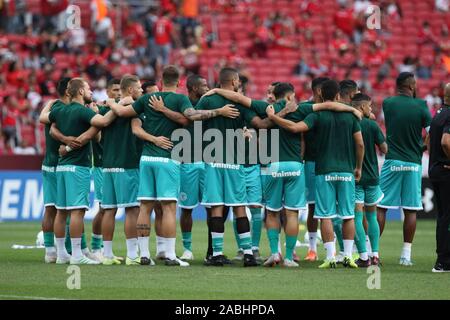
[380, 140]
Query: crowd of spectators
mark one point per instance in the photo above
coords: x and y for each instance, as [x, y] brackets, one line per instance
[38, 46]
[43, 40]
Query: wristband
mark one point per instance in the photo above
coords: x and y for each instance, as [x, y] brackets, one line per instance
[68, 149]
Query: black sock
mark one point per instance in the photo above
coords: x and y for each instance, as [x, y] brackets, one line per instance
[209, 252]
[242, 225]
[217, 225]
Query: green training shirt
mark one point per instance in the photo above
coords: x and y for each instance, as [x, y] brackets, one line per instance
[156, 123]
[372, 136]
[119, 144]
[289, 143]
[73, 120]
[222, 124]
[334, 138]
[405, 117]
[52, 145]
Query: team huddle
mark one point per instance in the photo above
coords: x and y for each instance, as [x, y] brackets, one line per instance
[155, 150]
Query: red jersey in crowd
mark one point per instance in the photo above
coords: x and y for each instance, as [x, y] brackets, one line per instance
[163, 30]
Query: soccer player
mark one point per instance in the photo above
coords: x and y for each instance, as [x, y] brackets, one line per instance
[368, 193]
[310, 159]
[113, 92]
[275, 192]
[439, 172]
[73, 174]
[347, 89]
[225, 177]
[49, 177]
[401, 174]
[165, 112]
[192, 173]
[338, 136]
[121, 176]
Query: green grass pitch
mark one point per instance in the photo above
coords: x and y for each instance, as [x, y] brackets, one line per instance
[23, 274]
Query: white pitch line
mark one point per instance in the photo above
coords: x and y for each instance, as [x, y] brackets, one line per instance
[28, 297]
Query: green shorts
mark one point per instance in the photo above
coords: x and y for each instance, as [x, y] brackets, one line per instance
[224, 185]
[49, 185]
[192, 177]
[159, 179]
[97, 174]
[335, 196]
[368, 195]
[253, 185]
[310, 177]
[284, 185]
[401, 183]
[120, 188]
[74, 184]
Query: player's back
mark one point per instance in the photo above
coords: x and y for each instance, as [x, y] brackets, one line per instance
[224, 125]
[156, 123]
[335, 143]
[73, 120]
[405, 117]
[120, 144]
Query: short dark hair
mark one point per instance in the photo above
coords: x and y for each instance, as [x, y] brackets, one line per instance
[227, 74]
[330, 89]
[112, 82]
[316, 83]
[74, 86]
[192, 81]
[149, 83]
[282, 89]
[170, 75]
[61, 87]
[346, 87]
[274, 84]
[127, 80]
[361, 97]
[403, 79]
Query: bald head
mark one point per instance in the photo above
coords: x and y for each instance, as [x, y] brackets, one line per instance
[447, 94]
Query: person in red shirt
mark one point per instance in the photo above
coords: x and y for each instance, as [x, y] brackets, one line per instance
[344, 19]
[163, 37]
[9, 114]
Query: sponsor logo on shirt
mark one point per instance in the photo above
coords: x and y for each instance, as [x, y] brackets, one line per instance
[66, 169]
[404, 168]
[225, 166]
[114, 170]
[48, 169]
[338, 178]
[286, 174]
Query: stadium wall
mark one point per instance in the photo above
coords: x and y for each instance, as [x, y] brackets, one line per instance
[21, 198]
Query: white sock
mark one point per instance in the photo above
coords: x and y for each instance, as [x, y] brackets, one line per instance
[143, 247]
[348, 248]
[85, 251]
[170, 248]
[375, 254]
[279, 243]
[76, 248]
[312, 241]
[364, 256]
[50, 250]
[132, 248]
[406, 251]
[107, 249]
[368, 246]
[330, 248]
[159, 244]
[61, 247]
